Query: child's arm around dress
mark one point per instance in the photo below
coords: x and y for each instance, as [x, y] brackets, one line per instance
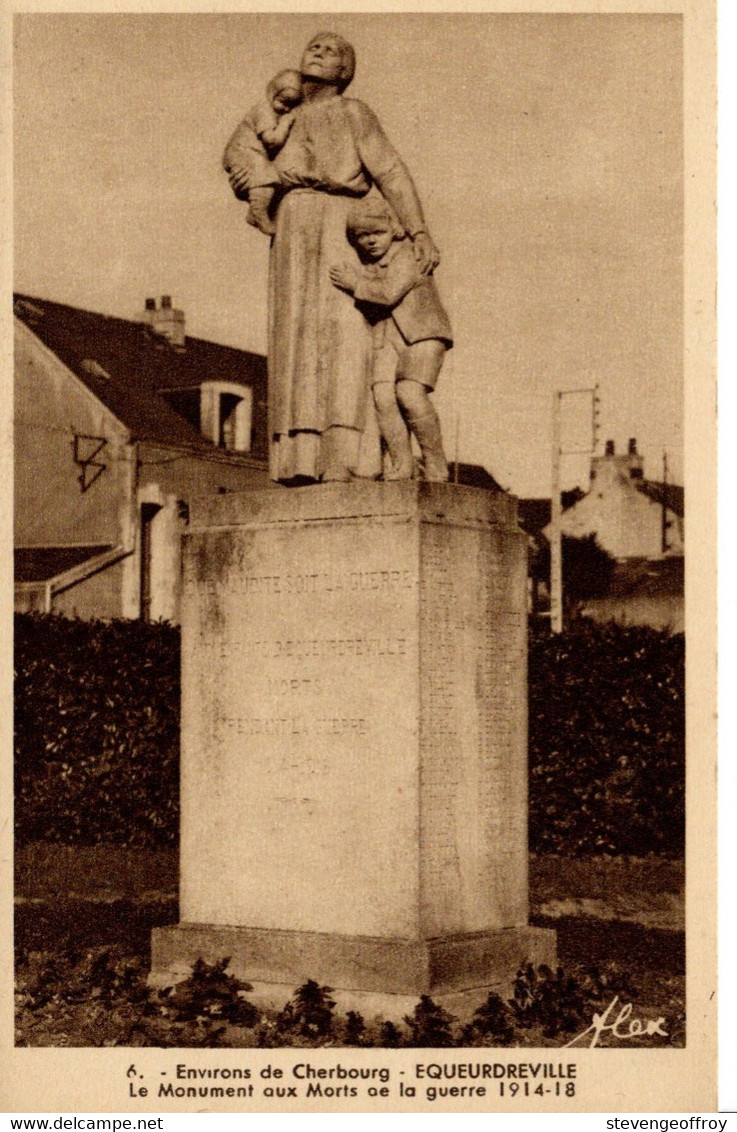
[384, 284]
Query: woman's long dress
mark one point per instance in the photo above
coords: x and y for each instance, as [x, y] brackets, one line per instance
[319, 342]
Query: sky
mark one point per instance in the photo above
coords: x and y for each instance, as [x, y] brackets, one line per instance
[546, 150]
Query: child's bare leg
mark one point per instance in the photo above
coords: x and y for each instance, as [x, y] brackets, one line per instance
[259, 200]
[419, 369]
[393, 430]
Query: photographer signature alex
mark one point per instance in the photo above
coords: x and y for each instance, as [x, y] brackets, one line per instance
[621, 1026]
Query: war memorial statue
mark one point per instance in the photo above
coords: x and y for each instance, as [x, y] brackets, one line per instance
[322, 347]
[354, 721]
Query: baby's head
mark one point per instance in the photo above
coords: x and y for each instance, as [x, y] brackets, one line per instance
[371, 228]
[284, 92]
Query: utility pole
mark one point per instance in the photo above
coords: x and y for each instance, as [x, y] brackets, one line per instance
[556, 538]
[664, 509]
[458, 439]
[556, 505]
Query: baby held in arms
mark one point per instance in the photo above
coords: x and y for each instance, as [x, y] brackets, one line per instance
[258, 139]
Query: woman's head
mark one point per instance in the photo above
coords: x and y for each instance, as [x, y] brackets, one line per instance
[329, 58]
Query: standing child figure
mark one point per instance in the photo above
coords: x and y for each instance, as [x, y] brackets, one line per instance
[258, 139]
[411, 335]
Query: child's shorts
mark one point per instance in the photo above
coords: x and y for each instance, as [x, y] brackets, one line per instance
[396, 359]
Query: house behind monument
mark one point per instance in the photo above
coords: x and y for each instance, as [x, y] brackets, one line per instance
[118, 425]
[640, 523]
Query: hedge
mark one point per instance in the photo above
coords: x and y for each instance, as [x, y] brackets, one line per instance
[97, 736]
[607, 740]
[96, 731]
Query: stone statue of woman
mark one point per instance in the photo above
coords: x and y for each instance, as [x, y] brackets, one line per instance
[319, 342]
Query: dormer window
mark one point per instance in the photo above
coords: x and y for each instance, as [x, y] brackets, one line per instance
[226, 415]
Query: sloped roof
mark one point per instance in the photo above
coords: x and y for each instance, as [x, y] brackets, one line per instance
[127, 366]
[534, 514]
[42, 563]
[669, 493]
[474, 475]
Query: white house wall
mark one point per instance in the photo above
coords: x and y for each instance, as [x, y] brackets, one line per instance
[627, 523]
[50, 406]
[96, 596]
[172, 483]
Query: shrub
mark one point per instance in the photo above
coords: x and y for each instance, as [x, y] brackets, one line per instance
[97, 736]
[210, 993]
[309, 1013]
[606, 740]
[100, 997]
[552, 1000]
[491, 1024]
[429, 1025]
[355, 1029]
[96, 731]
[390, 1036]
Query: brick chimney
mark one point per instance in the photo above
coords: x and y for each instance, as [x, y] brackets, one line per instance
[165, 320]
[609, 467]
[634, 460]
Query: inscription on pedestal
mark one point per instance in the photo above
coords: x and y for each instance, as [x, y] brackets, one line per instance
[354, 762]
[306, 734]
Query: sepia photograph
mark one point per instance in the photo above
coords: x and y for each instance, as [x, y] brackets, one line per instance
[354, 416]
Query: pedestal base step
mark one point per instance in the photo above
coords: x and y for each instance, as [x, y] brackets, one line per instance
[373, 1007]
[474, 962]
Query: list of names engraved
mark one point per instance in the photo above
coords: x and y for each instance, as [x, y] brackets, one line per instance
[473, 716]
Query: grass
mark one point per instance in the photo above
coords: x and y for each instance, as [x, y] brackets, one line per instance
[83, 958]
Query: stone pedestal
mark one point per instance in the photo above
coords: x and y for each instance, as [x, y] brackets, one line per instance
[354, 782]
